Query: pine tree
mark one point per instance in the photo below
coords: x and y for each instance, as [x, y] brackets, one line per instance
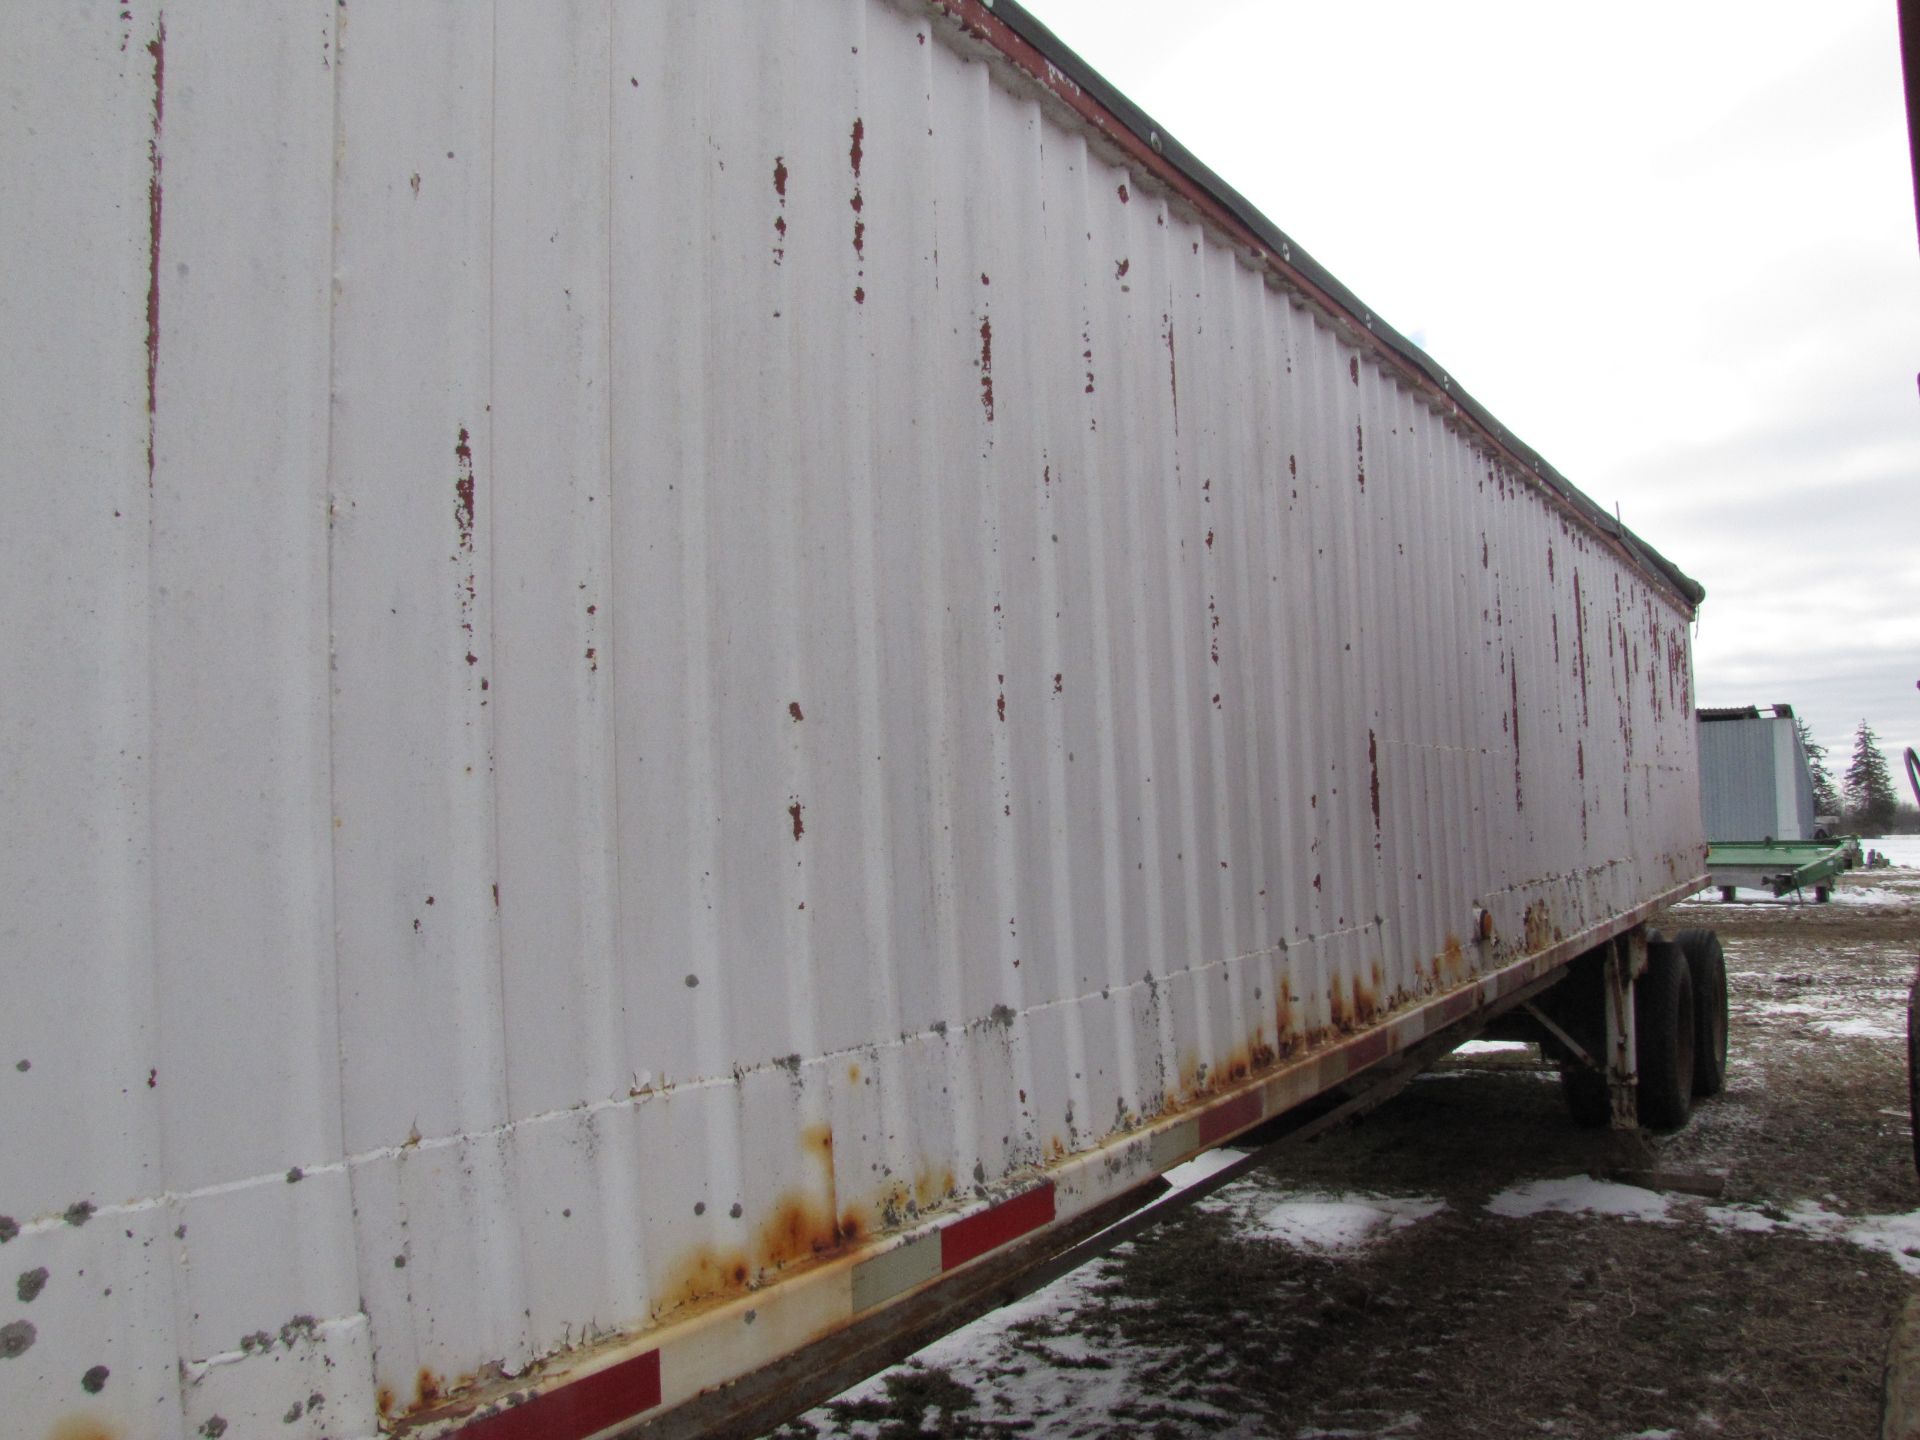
[1870, 798]
[1826, 799]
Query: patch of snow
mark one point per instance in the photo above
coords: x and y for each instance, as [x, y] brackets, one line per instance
[1493, 1047]
[1316, 1223]
[1027, 1367]
[1333, 1226]
[1868, 895]
[1407, 1424]
[1902, 850]
[1897, 1236]
[1861, 1027]
[1581, 1195]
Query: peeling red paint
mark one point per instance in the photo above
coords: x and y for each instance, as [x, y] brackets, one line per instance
[986, 366]
[1173, 372]
[157, 48]
[463, 490]
[780, 220]
[1580, 639]
[1373, 764]
[1513, 684]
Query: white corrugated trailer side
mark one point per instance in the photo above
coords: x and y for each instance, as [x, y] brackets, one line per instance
[671, 668]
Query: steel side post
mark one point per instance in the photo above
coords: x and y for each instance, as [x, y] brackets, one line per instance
[1626, 962]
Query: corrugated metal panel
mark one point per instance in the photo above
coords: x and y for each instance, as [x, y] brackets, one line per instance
[649, 641]
[1754, 782]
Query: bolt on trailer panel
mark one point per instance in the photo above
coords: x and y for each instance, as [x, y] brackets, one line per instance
[672, 669]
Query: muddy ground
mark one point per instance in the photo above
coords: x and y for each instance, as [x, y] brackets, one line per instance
[1413, 1276]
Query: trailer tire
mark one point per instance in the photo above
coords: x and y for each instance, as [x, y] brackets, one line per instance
[1588, 1096]
[1707, 963]
[1664, 1028]
[1913, 1064]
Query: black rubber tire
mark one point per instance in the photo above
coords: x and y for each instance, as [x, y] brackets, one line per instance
[1913, 1064]
[1708, 966]
[1589, 1100]
[1664, 1030]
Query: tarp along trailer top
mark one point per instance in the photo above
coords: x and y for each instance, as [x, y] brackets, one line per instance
[671, 669]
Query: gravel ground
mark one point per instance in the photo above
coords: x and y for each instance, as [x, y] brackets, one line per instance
[1465, 1262]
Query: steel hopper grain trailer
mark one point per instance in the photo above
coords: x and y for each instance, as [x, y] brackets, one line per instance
[685, 682]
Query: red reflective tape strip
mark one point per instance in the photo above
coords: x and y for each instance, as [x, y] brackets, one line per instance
[580, 1407]
[1230, 1118]
[1369, 1048]
[977, 1234]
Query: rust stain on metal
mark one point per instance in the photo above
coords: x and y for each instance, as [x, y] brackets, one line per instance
[986, 366]
[1580, 640]
[800, 1227]
[856, 150]
[1000, 704]
[1058, 682]
[794, 812]
[1513, 686]
[1373, 765]
[157, 48]
[1360, 454]
[793, 709]
[1120, 268]
[1353, 368]
[780, 220]
[463, 490]
[1173, 371]
[83, 1427]
[1124, 196]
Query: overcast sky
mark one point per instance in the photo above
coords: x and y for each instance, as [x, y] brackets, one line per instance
[1671, 245]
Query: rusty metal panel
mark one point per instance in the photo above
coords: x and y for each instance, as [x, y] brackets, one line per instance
[675, 667]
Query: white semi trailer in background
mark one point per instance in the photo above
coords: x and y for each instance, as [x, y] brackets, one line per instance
[686, 682]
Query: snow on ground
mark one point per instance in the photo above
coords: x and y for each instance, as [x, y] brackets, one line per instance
[1581, 1195]
[1025, 1363]
[1902, 850]
[1320, 1224]
[1897, 1236]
